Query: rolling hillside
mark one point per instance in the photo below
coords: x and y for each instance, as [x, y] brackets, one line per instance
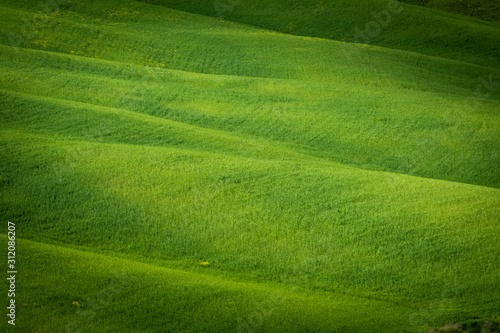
[385, 23]
[171, 171]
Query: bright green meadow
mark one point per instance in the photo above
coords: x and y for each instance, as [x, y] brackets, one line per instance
[251, 166]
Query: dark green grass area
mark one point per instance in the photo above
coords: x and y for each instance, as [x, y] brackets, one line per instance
[376, 22]
[488, 10]
[358, 182]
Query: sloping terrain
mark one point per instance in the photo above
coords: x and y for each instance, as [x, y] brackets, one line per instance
[95, 293]
[331, 186]
[386, 23]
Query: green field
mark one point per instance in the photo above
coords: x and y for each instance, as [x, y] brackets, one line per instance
[237, 166]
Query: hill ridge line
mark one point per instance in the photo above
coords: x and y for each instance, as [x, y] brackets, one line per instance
[352, 44]
[319, 161]
[153, 118]
[450, 15]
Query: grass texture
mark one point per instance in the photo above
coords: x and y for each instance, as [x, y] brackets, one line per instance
[172, 171]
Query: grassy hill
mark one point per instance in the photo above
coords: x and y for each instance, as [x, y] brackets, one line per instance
[383, 23]
[331, 186]
[94, 293]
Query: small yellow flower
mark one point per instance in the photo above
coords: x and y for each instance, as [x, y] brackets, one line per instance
[204, 263]
[75, 303]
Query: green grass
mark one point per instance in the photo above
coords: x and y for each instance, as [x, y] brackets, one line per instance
[488, 10]
[406, 27]
[437, 127]
[360, 183]
[167, 300]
